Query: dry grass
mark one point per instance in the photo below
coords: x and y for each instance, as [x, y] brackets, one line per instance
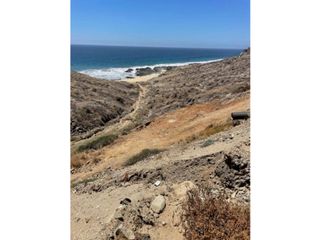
[80, 159]
[210, 130]
[215, 128]
[97, 143]
[145, 153]
[207, 217]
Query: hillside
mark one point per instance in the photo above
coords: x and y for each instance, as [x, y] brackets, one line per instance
[174, 134]
[96, 103]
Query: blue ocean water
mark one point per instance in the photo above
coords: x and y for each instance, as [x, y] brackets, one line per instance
[111, 62]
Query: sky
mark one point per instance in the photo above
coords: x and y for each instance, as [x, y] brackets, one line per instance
[161, 23]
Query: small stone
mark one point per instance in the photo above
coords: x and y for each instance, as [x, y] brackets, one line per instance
[119, 212]
[125, 201]
[163, 223]
[157, 183]
[158, 204]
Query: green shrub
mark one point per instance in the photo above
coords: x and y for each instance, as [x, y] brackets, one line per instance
[98, 143]
[142, 155]
[207, 143]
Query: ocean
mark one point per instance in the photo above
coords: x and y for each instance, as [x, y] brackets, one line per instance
[112, 62]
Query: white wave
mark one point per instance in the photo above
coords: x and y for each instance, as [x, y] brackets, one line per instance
[109, 73]
[120, 73]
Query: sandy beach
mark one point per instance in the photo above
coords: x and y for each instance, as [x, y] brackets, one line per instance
[141, 78]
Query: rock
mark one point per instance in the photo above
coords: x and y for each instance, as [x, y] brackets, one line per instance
[125, 201]
[144, 71]
[146, 215]
[158, 204]
[129, 70]
[119, 212]
[181, 189]
[234, 171]
[124, 233]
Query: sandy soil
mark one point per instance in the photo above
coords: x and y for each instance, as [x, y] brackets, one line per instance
[141, 78]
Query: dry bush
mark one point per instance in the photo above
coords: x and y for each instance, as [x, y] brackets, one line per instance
[97, 143]
[210, 130]
[141, 156]
[215, 128]
[207, 217]
[80, 159]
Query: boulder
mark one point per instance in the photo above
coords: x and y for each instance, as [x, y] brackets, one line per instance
[158, 204]
[144, 71]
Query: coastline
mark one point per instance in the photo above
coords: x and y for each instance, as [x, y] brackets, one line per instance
[130, 74]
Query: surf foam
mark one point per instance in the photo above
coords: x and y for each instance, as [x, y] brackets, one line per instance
[120, 73]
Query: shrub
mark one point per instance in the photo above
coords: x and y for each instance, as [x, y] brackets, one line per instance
[142, 155]
[213, 129]
[207, 217]
[85, 182]
[207, 143]
[98, 143]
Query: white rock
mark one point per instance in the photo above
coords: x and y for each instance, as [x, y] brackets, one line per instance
[157, 183]
[158, 204]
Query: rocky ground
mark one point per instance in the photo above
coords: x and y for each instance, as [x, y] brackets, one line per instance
[185, 114]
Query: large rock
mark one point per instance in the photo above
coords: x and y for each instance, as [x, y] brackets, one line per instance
[158, 204]
[144, 71]
[234, 171]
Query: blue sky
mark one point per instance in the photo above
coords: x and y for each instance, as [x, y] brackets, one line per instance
[162, 23]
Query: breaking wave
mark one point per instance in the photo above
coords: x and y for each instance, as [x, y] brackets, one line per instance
[122, 73]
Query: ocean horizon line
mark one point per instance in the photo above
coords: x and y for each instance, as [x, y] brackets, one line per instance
[126, 46]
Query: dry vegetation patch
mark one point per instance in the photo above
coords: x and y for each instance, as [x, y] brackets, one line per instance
[97, 143]
[145, 153]
[208, 217]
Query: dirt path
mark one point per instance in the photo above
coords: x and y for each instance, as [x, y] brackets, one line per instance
[137, 106]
